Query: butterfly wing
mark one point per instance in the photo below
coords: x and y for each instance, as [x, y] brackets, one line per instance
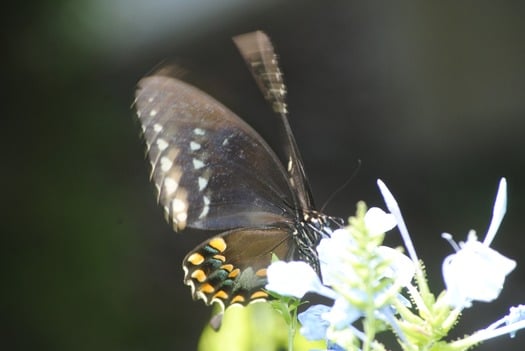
[231, 268]
[211, 170]
[259, 54]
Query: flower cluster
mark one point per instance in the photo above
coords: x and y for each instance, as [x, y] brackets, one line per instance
[375, 288]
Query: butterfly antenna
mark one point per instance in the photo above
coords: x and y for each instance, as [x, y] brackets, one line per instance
[344, 185]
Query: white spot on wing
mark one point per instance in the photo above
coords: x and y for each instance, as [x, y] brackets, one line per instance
[179, 210]
[198, 164]
[202, 183]
[199, 131]
[194, 146]
[157, 127]
[178, 206]
[206, 207]
[165, 164]
[162, 144]
[170, 185]
[150, 99]
[153, 113]
[181, 217]
[225, 141]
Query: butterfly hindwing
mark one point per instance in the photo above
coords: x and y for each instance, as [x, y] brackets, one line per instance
[231, 268]
[211, 170]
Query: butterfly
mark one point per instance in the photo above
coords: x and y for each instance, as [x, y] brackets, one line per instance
[212, 171]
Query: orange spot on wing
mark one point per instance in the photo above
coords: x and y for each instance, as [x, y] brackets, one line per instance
[261, 272]
[199, 275]
[234, 273]
[221, 294]
[238, 299]
[227, 267]
[218, 244]
[207, 288]
[196, 259]
[219, 257]
[259, 295]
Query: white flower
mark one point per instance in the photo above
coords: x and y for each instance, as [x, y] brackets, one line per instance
[342, 314]
[476, 272]
[295, 278]
[378, 221]
[313, 326]
[335, 253]
[335, 258]
[336, 261]
[514, 321]
[401, 269]
[339, 262]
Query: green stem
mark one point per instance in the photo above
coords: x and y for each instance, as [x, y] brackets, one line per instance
[293, 327]
[369, 328]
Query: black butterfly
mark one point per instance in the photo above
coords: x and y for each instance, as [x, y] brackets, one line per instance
[213, 171]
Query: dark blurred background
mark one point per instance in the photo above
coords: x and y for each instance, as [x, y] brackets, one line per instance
[429, 96]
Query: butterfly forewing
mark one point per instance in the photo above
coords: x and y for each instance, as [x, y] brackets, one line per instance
[259, 54]
[211, 170]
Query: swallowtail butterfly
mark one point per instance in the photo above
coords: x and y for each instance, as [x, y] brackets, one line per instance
[213, 171]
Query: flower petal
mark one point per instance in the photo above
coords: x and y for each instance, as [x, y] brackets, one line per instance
[517, 314]
[476, 272]
[342, 314]
[394, 209]
[500, 207]
[401, 268]
[334, 255]
[313, 326]
[292, 278]
[378, 221]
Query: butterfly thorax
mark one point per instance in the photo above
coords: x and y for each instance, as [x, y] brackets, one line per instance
[309, 230]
